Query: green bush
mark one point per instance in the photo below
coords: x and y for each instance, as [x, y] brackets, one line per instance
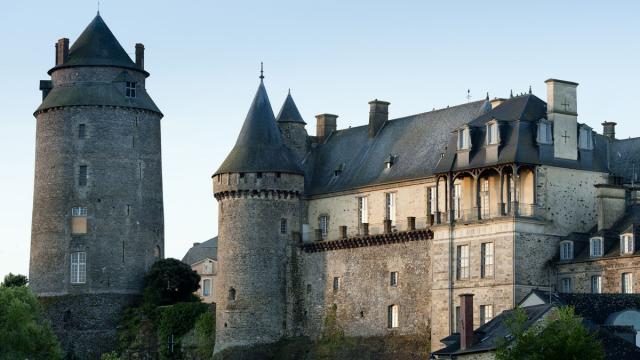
[170, 281]
[23, 332]
[176, 321]
[14, 280]
[205, 331]
[110, 356]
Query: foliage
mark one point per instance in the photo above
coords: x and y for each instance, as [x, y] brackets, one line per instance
[332, 338]
[170, 281]
[14, 280]
[205, 331]
[174, 322]
[110, 356]
[560, 336]
[23, 332]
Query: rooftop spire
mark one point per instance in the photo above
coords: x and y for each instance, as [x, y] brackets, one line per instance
[530, 90]
[487, 98]
[261, 71]
[289, 111]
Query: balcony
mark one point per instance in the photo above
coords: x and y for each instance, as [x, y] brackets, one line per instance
[512, 210]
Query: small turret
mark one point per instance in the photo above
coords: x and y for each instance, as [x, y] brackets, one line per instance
[292, 126]
[258, 188]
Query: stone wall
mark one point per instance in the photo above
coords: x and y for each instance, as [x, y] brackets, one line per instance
[610, 269]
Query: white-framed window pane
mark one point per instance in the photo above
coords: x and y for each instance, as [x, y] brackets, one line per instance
[390, 207]
[566, 250]
[363, 210]
[486, 314]
[324, 225]
[596, 284]
[596, 247]
[627, 283]
[457, 200]
[566, 285]
[463, 262]
[206, 287]
[130, 89]
[487, 259]
[78, 267]
[433, 200]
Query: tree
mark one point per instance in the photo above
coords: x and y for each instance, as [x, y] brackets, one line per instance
[560, 336]
[23, 332]
[11, 280]
[170, 281]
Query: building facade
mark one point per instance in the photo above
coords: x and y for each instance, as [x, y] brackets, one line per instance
[385, 225]
[97, 210]
[202, 258]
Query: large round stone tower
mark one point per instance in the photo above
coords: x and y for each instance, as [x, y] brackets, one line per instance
[97, 222]
[258, 188]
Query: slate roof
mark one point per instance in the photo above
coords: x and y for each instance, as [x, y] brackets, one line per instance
[289, 112]
[95, 93]
[518, 122]
[629, 221]
[259, 147]
[201, 251]
[625, 159]
[97, 46]
[415, 141]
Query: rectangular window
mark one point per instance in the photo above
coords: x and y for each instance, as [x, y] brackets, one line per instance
[626, 244]
[432, 199]
[596, 284]
[79, 211]
[78, 220]
[627, 283]
[566, 250]
[336, 283]
[492, 134]
[324, 225]
[487, 259]
[544, 133]
[456, 319]
[463, 139]
[486, 314]
[565, 285]
[457, 200]
[596, 247]
[484, 198]
[130, 89]
[283, 226]
[206, 287]
[393, 281]
[78, 267]
[82, 175]
[363, 211]
[82, 131]
[390, 207]
[392, 314]
[463, 262]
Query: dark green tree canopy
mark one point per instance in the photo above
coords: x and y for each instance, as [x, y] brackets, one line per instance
[170, 281]
[15, 280]
[560, 336]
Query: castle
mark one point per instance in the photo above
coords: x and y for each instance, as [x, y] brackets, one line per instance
[97, 207]
[381, 226]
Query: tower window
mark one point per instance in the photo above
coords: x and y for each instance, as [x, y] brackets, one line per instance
[82, 131]
[78, 267]
[336, 283]
[79, 211]
[393, 280]
[82, 175]
[232, 294]
[78, 220]
[283, 226]
[130, 89]
[392, 316]
[259, 175]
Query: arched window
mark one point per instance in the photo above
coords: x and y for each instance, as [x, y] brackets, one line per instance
[157, 253]
[392, 315]
[232, 294]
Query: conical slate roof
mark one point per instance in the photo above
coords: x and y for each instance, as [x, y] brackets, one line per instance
[259, 147]
[289, 112]
[97, 46]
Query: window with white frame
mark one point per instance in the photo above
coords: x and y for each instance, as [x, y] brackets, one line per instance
[464, 141]
[323, 223]
[487, 259]
[206, 287]
[283, 226]
[130, 89]
[336, 283]
[463, 262]
[392, 316]
[545, 132]
[432, 200]
[565, 285]
[492, 133]
[393, 279]
[626, 244]
[363, 210]
[595, 246]
[627, 283]
[484, 198]
[486, 314]
[79, 211]
[457, 199]
[596, 284]
[566, 250]
[390, 207]
[585, 138]
[78, 267]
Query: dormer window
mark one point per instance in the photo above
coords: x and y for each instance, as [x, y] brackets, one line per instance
[492, 133]
[338, 170]
[464, 139]
[545, 132]
[130, 89]
[626, 244]
[595, 247]
[585, 139]
[566, 250]
[388, 162]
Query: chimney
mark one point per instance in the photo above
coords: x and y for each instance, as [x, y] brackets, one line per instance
[45, 87]
[325, 125]
[609, 129]
[62, 51]
[562, 110]
[466, 321]
[140, 56]
[378, 116]
[610, 204]
[196, 244]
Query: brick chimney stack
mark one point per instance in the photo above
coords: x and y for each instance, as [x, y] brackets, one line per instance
[140, 56]
[466, 321]
[62, 51]
[325, 125]
[609, 129]
[378, 116]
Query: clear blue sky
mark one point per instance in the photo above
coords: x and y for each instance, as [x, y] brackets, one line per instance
[335, 56]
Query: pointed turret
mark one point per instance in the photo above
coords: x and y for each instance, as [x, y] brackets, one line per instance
[97, 46]
[259, 147]
[289, 112]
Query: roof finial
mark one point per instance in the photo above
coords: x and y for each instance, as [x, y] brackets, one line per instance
[511, 94]
[487, 98]
[530, 90]
[261, 71]
[98, 7]
[289, 91]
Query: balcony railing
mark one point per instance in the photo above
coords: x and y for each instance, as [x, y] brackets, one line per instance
[515, 209]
